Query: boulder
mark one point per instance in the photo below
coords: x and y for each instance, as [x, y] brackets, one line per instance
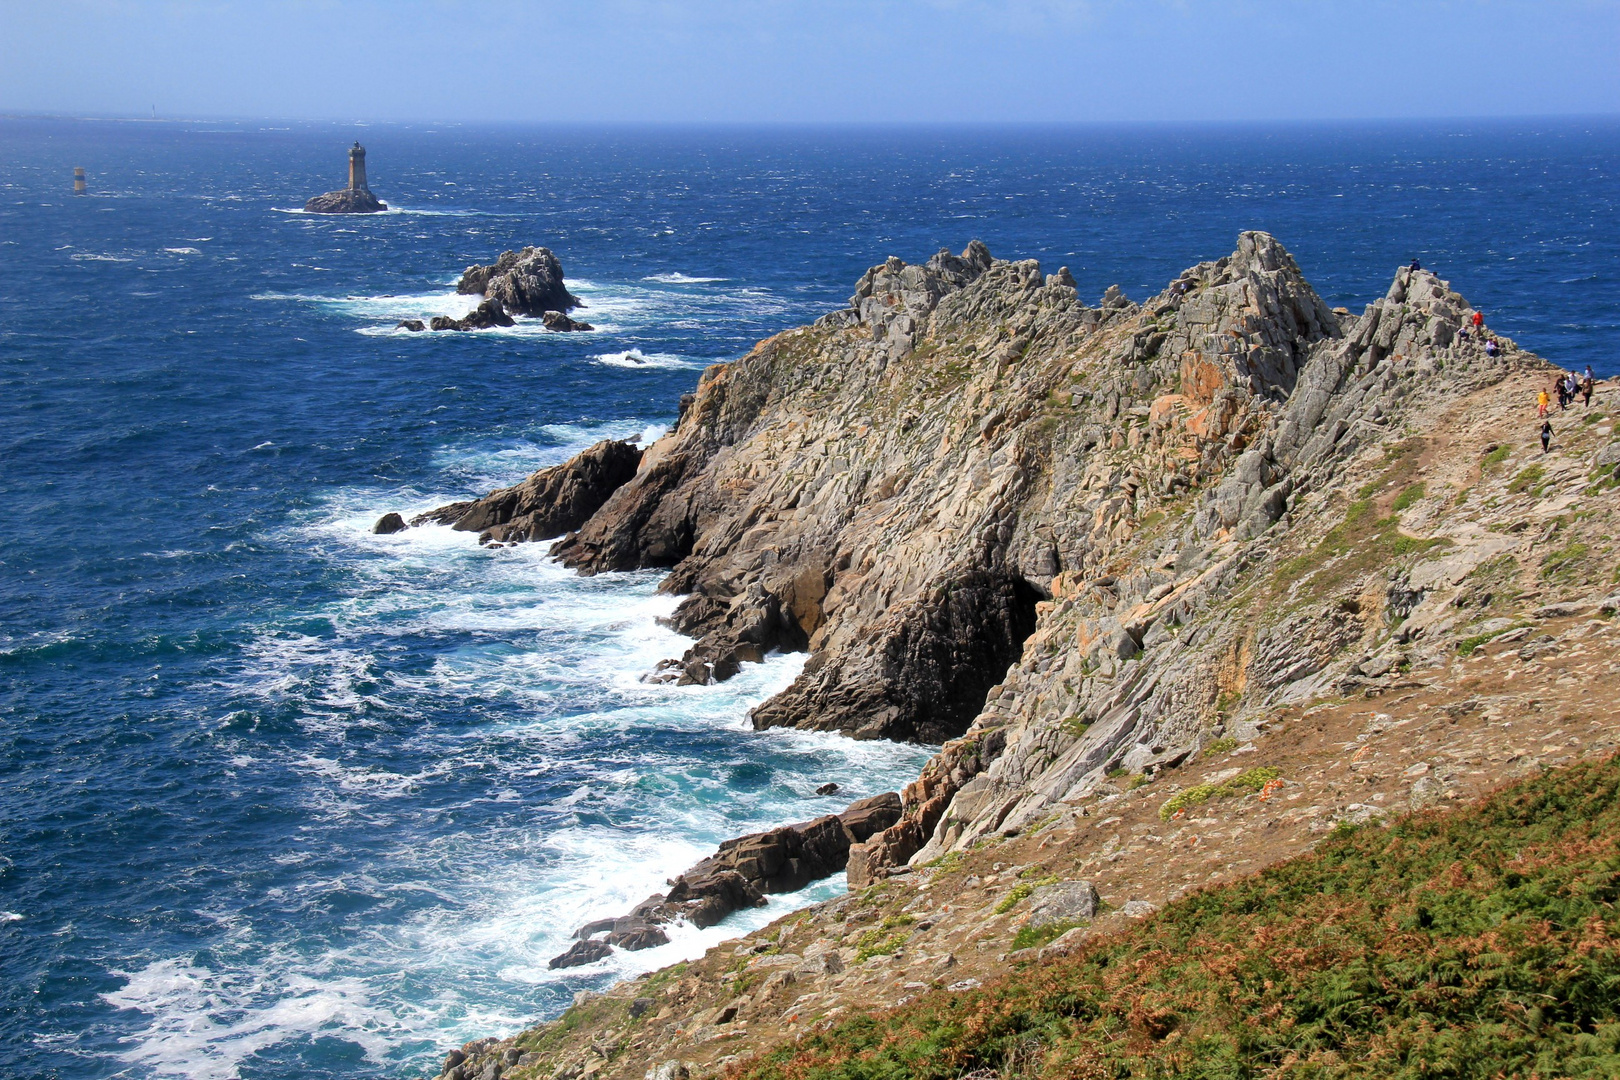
[1067, 901]
[415, 326]
[865, 817]
[389, 524]
[581, 953]
[556, 320]
[527, 282]
[827, 789]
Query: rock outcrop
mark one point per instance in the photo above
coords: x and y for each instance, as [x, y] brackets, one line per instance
[736, 876]
[487, 314]
[977, 502]
[562, 324]
[345, 201]
[527, 282]
[547, 504]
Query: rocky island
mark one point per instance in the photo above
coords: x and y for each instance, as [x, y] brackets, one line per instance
[356, 198]
[1185, 589]
[526, 283]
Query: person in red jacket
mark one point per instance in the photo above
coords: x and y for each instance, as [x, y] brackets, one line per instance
[1478, 319]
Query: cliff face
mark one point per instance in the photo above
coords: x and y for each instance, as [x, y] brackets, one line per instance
[898, 487]
[1099, 552]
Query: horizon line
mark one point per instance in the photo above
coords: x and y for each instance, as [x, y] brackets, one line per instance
[819, 124]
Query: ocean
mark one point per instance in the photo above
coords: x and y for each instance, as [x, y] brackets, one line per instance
[280, 798]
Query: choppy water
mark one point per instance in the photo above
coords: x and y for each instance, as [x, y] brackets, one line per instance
[280, 798]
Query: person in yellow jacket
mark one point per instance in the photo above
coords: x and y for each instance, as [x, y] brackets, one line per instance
[1542, 401]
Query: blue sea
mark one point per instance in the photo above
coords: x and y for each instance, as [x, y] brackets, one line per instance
[280, 798]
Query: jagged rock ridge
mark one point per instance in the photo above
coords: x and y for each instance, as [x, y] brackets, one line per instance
[1242, 514]
[968, 455]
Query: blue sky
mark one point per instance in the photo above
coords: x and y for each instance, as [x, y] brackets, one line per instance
[811, 60]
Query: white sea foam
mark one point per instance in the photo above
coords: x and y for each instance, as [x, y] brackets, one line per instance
[10, 916]
[678, 278]
[183, 250]
[634, 359]
[473, 846]
[204, 1024]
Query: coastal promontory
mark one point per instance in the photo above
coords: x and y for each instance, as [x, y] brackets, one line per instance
[1182, 588]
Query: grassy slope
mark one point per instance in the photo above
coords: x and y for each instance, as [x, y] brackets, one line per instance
[1474, 943]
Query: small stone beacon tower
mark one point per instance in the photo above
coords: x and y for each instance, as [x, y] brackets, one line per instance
[357, 167]
[354, 199]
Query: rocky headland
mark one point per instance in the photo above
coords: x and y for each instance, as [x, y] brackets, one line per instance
[1181, 587]
[526, 283]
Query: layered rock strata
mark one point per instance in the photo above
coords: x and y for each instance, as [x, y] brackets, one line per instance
[978, 501]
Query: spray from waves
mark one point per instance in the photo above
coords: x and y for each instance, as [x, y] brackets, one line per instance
[635, 359]
[203, 1024]
[678, 278]
[392, 211]
[477, 769]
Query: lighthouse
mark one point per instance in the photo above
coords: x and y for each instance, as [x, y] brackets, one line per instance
[357, 168]
[354, 199]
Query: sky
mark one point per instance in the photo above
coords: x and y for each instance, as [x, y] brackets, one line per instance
[810, 61]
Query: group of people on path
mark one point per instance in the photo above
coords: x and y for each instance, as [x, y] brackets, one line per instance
[1565, 387]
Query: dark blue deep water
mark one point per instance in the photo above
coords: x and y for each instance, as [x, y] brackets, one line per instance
[279, 798]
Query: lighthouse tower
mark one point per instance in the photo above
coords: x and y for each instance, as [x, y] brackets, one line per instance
[357, 168]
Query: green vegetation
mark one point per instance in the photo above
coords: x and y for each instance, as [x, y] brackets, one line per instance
[1221, 746]
[1356, 546]
[1075, 725]
[1033, 937]
[1250, 781]
[1563, 565]
[1526, 480]
[1015, 897]
[1022, 890]
[1463, 945]
[1593, 418]
[1468, 646]
[1411, 494]
[884, 938]
[1495, 457]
